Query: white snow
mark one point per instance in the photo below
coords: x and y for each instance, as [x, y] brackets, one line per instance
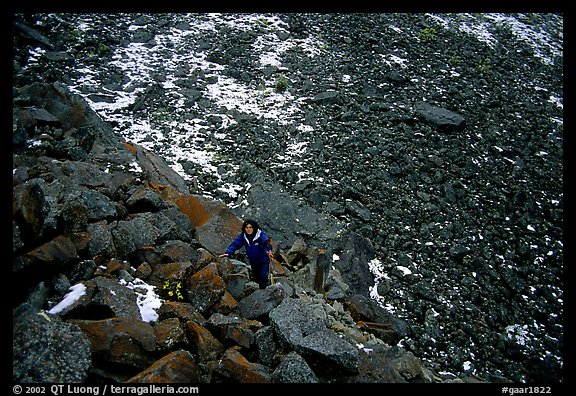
[147, 299]
[76, 292]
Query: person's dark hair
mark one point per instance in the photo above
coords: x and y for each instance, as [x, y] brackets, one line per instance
[253, 223]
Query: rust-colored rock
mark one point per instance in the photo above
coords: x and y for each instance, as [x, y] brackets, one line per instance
[122, 341]
[235, 368]
[205, 287]
[55, 253]
[226, 304]
[176, 367]
[183, 311]
[204, 344]
[169, 335]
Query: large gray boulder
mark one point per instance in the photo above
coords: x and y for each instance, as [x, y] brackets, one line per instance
[47, 349]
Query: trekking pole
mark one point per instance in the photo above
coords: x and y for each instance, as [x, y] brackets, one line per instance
[271, 272]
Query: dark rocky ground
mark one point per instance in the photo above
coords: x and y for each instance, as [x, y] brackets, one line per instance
[465, 215]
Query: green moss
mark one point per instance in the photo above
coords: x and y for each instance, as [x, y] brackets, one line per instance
[427, 34]
[281, 83]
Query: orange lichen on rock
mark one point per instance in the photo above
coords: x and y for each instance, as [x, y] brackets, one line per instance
[131, 147]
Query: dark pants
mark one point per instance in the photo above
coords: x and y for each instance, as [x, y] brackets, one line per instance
[260, 273]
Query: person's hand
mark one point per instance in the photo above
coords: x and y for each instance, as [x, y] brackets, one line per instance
[223, 255]
[270, 254]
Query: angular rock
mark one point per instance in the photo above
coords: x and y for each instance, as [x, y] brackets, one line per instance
[293, 320]
[145, 200]
[205, 288]
[265, 345]
[51, 256]
[169, 335]
[444, 120]
[235, 368]
[183, 311]
[328, 354]
[293, 369]
[123, 342]
[261, 302]
[354, 252]
[30, 209]
[203, 343]
[175, 367]
[215, 225]
[46, 349]
[375, 319]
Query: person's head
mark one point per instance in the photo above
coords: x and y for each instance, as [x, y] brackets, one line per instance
[250, 227]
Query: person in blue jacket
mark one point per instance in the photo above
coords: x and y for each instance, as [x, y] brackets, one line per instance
[258, 250]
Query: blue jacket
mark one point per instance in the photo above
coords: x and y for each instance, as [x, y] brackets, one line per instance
[256, 251]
